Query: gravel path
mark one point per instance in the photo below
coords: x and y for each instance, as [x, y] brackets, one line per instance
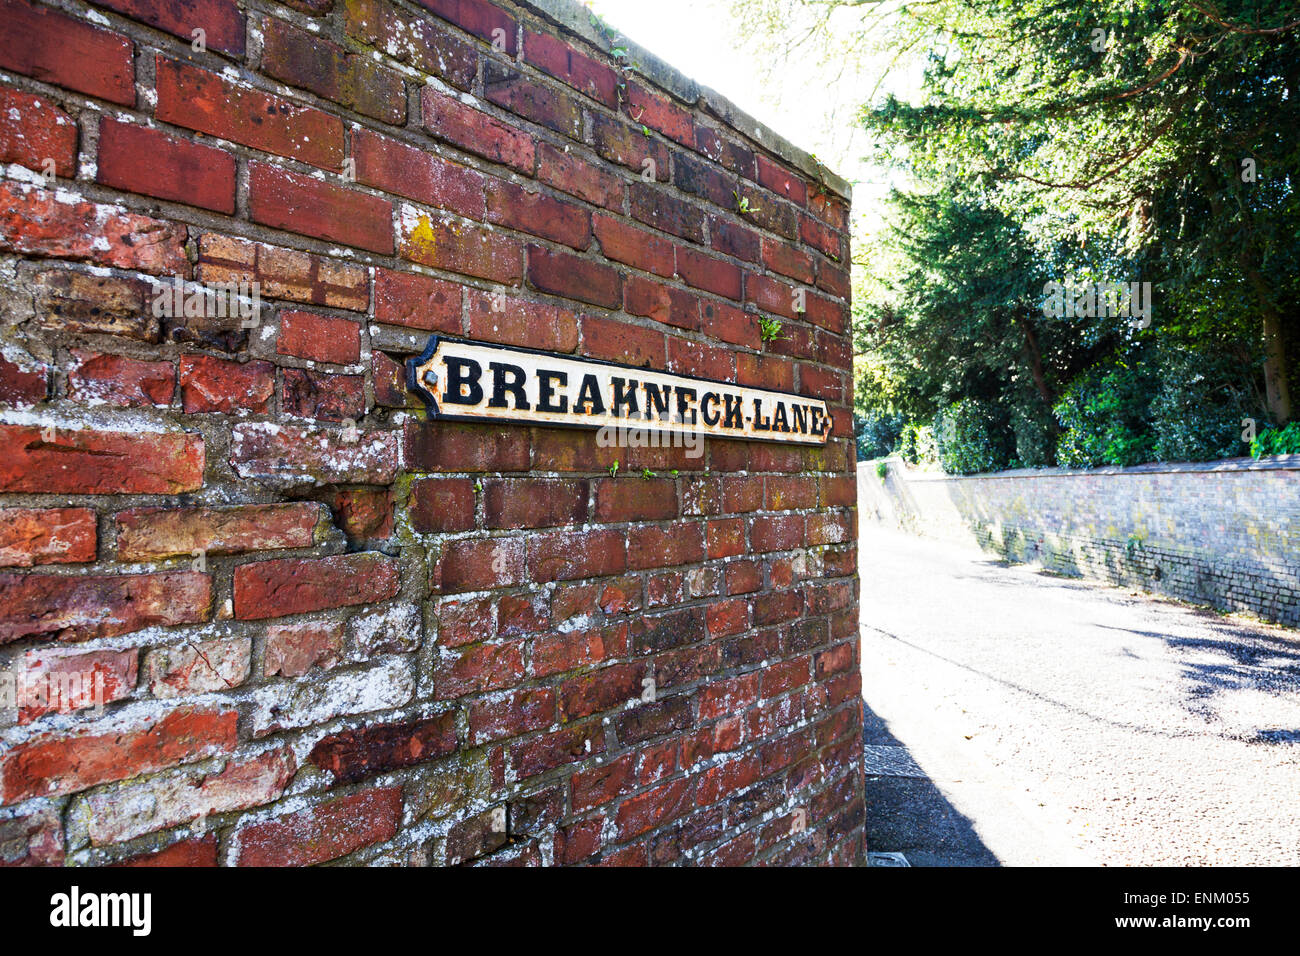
[1064, 722]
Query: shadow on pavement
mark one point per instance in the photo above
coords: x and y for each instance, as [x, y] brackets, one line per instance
[906, 812]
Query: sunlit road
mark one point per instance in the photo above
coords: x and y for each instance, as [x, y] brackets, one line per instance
[1020, 718]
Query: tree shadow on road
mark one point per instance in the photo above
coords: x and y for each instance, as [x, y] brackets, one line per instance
[906, 812]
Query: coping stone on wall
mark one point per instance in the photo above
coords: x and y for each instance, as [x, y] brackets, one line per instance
[574, 17]
[1272, 463]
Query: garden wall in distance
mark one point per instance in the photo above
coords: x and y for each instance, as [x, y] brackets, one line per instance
[322, 627]
[1226, 533]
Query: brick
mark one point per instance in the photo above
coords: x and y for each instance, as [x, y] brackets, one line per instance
[353, 755]
[324, 832]
[560, 273]
[618, 341]
[32, 839]
[147, 161]
[626, 145]
[660, 547]
[475, 131]
[564, 746]
[534, 503]
[211, 384]
[478, 17]
[161, 803]
[309, 207]
[703, 179]
[510, 715]
[645, 811]
[284, 273]
[577, 841]
[765, 371]
[85, 607]
[663, 303]
[458, 246]
[771, 295]
[820, 237]
[442, 505]
[741, 494]
[594, 691]
[734, 239]
[723, 151]
[565, 556]
[652, 206]
[417, 174]
[389, 378]
[635, 247]
[633, 499]
[782, 181]
[33, 130]
[451, 446]
[777, 607]
[203, 101]
[296, 585]
[779, 533]
[321, 338]
[765, 210]
[579, 176]
[36, 223]
[59, 763]
[23, 386]
[476, 565]
[31, 536]
[727, 617]
[311, 62]
[726, 538]
[512, 321]
[709, 273]
[56, 49]
[115, 380]
[186, 853]
[294, 455]
[833, 280]
[538, 214]
[790, 493]
[220, 20]
[417, 301]
[293, 650]
[476, 668]
[148, 534]
[86, 461]
[466, 621]
[62, 681]
[542, 104]
[198, 668]
[658, 112]
[335, 398]
[522, 614]
[701, 496]
[704, 361]
[72, 302]
[552, 55]
[729, 324]
[570, 650]
[829, 528]
[416, 41]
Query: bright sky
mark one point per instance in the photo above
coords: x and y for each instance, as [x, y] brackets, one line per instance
[809, 107]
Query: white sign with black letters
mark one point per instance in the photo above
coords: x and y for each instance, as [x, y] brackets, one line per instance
[477, 381]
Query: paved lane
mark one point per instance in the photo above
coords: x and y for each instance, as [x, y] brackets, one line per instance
[1021, 718]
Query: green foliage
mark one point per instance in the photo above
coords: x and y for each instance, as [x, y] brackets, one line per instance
[972, 436]
[916, 445]
[769, 330]
[882, 470]
[877, 433]
[1198, 407]
[1277, 441]
[1104, 418]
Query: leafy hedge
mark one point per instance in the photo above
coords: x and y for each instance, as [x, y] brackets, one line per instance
[972, 436]
[1275, 441]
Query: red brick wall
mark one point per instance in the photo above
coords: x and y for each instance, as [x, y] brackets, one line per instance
[320, 626]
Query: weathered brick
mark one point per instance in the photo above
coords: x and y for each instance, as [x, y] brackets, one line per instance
[632, 499]
[475, 131]
[564, 556]
[63, 680]
[476, 668]
[619, 341]
[34, 130]
[652, 206]
[36, 223]
[457, 246]
[475, 565]
[58, 763]
[416, 41]
[533, 503]
[709, 273]
[560, 273]
[309, 207]
[579, 176]
[54, 48]
[538, 214]
[296, 585]
[293, 650]
[210, 384]
[544, 105]
[163, 802]
[645, 811]
[479, 17]
[296, 455]
[33, 838]
[417, 174]
[353, 755]
[324, 832]
[510, 714]
[442, 504]
[512, 321]
[321, 338]
[319, 395]
[91, 461]
[203, 101]
[554, 56]
[146, 161]
[635, 247]
[197, 668]
[659, 547]
[451, 446]
[220, 20]
[31, 536]
[626, 145]
[663, 303]
[120, 381]
[353, 80]
[283, 273]
[147, 534]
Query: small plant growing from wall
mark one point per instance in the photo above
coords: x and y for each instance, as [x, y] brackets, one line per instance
[882, 470]
[769, 330]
